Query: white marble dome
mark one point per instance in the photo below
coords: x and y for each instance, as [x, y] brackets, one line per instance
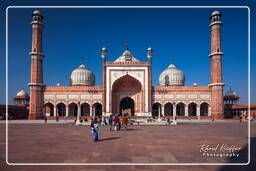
[82, 76]
[22, 93]
[172, 76]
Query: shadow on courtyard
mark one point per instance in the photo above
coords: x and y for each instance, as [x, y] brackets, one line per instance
[111, 138]
[243, 158]
[129, 129]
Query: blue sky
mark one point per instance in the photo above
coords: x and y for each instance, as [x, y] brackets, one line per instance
[179, 35]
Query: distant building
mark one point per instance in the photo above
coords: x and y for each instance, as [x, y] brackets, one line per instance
[18, 111]
[232, 108]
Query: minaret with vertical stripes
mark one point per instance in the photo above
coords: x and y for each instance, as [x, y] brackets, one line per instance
[216, 66]
[36, 77]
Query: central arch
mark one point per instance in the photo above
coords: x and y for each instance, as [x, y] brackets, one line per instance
[127, 106]
[127, 88]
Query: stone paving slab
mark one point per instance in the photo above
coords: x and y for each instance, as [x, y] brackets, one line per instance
[67, 143]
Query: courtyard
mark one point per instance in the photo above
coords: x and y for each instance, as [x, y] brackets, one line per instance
[67, 143]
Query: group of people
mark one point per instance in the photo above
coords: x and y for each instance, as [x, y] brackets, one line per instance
[115, 121]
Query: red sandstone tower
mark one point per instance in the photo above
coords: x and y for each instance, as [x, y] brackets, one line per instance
[104, 57]
[36, 80]
[149, 55]
[216, 66]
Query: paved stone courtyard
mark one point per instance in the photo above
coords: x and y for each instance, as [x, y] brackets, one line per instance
[67, 143]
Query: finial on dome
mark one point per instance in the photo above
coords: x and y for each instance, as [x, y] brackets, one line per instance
[126, 45]
[82, 60]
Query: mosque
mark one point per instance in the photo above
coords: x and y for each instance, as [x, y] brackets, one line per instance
[127, 85]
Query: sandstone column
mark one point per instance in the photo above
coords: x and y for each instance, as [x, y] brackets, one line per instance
[216, 66]
[36, 75]
[149, 55]
[104, 57]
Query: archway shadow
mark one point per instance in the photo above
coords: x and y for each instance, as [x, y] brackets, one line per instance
[110, 138]
[243, 158]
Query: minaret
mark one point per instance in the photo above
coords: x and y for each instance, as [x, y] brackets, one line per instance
[216, 66]
[149, 55]
[36, 80]
[104, 57]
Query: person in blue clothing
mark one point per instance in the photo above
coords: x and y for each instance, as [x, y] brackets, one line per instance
[95, 129]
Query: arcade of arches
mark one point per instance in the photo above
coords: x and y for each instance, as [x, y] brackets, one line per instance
[127, 105]
[73, 109]
[127, 96]
[180, 109]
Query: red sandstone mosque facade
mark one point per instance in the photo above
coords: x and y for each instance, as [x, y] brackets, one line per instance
[127, 85]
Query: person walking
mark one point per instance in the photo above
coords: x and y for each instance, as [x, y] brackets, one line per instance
[116, 122]
[168, 121]
[103, 121]
[95, 129]
[120, 122]
[125, 121]
[110, 122]
[45, 119]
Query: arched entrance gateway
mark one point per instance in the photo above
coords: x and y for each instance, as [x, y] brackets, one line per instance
[127, 106]
[127, 96]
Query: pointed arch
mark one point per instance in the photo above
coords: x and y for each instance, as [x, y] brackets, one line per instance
[180, 109]
[61, 109]
[97, 109]
[85, 109]
[156, 109]
[192, 109]
[204, 109]
[72, 108]
[49, 109]
[168, 109]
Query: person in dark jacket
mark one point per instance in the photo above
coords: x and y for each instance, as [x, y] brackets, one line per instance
[110, 122]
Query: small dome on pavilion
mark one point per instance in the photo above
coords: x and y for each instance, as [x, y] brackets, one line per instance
[22, 93]
[37, 12]
[104, 49]
[231, 93]
[215, 13]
